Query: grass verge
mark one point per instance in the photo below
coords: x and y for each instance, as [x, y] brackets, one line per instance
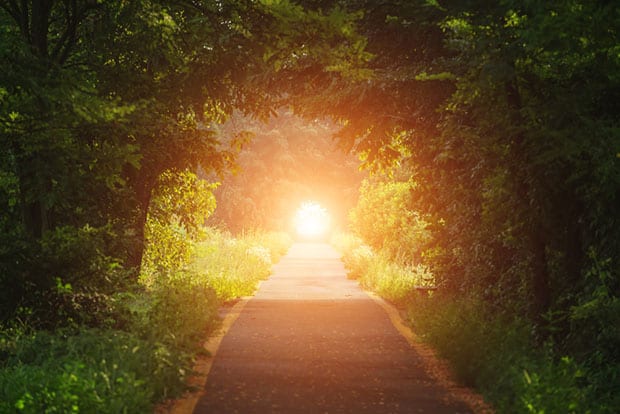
[492, 353]
[143, 352]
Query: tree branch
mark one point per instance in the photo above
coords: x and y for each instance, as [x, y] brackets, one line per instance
[66, 33]
[74, 17]
[40, 22]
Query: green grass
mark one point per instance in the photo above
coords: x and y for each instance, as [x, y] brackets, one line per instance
[234, 266]
[91, 371]
[376, 272]
[497, 356]
[492, 353]
[158, 330]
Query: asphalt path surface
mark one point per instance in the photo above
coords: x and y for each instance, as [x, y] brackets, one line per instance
[311, 341]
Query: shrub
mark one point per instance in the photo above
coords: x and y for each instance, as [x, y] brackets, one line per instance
[383, 212]
[145, 339]
[62, 278]
[95, 371]
[393, 281]
[276, 243]
[180, 205]
[358, 260]
[496, 355]
[181, 313]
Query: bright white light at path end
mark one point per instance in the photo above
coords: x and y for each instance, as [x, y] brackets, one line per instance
[311, 220]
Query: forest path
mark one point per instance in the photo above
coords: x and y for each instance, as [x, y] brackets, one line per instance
[311, 341]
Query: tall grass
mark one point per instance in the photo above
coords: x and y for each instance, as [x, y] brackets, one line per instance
[145, 353]
[234, 266]
[375, 271]
[497, 356]
[493, 353]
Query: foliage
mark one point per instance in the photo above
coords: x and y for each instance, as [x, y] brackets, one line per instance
[495, 355]
[505, 117]
[148, 356]
[345, 242]
[96, 371]
[377, 272]
[100, 100]
[395, 282]
[181, 203]
[66, 277]
[358, 260]
[383, 211]
[496, 126]
[234, 266]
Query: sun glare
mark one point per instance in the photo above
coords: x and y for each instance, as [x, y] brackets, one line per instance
[311, 220]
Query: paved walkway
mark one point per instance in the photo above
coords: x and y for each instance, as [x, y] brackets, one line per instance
[311, 341]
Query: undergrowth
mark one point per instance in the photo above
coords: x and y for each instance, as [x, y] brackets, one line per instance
[144, 350]
[496, 354]
[234, 266]
[375, 271]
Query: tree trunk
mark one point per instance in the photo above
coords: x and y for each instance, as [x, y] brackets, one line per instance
[534, 227]
[40, 27]
[143, 188]
[540, 277]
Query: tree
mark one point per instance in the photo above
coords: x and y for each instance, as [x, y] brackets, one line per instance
[99, 98]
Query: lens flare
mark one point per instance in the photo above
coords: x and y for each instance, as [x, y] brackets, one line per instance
[311, 220]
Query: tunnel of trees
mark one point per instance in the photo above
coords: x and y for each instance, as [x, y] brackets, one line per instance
[493, 124]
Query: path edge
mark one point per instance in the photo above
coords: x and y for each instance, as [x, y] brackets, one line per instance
[186, 403]
[436, 367]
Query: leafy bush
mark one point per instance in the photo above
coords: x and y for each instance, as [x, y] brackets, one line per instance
[180, 313]
[110, 370]
[393, 281]
[73, 309]
[181, 203]
[557, 387]
[358, 260]
[383, 212]
[345, 242]
[95, 371]
[277, 243]
[66, 278]
[496, 355]
[78, 256]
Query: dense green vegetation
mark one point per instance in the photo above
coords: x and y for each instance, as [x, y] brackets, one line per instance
[497, 132]
[141, 347]
[109, 114]
[493, 353]
[492, 129]
[98, 100]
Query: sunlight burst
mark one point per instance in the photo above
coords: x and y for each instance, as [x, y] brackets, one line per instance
[311, 220]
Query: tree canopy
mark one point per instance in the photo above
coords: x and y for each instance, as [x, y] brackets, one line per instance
[491, 127]
[99, 98]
